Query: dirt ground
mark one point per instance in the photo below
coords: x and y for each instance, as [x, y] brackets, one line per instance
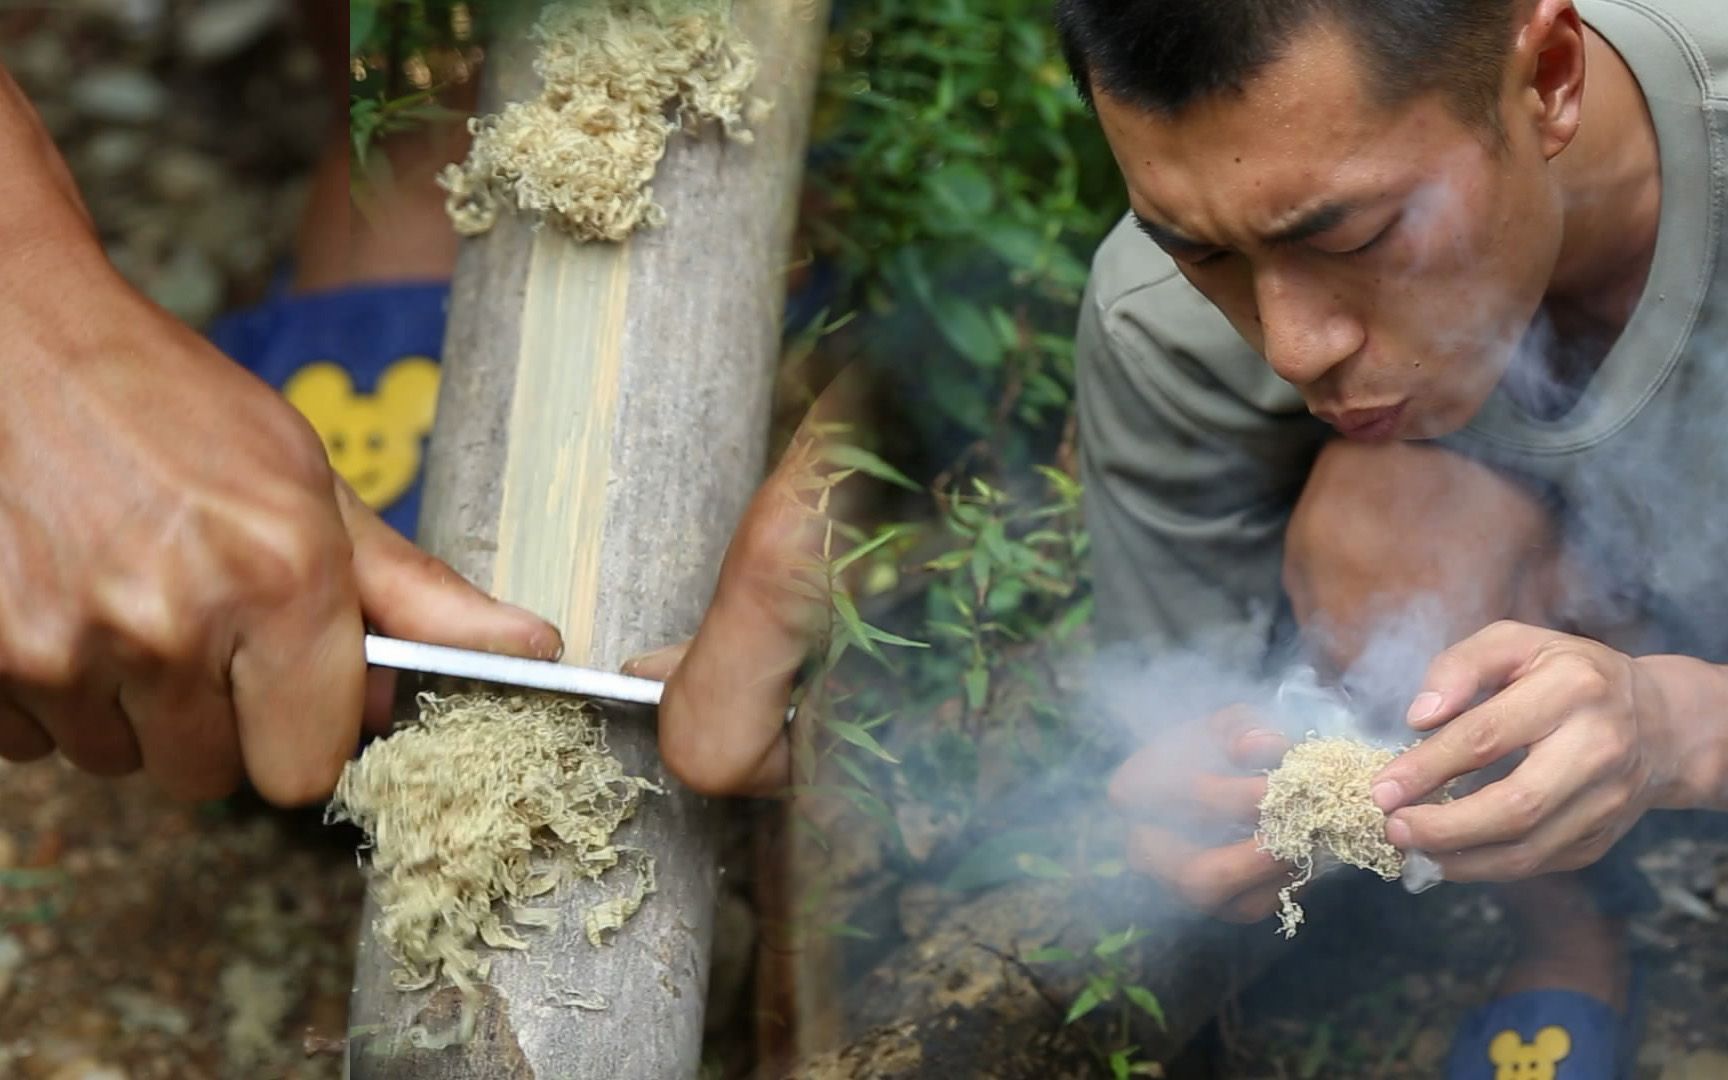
[148, 940]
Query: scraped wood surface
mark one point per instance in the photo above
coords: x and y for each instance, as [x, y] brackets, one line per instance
[602, 424]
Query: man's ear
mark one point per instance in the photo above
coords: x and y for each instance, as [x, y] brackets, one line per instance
[1548, 68]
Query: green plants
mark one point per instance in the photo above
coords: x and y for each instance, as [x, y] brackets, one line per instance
[1109, 985]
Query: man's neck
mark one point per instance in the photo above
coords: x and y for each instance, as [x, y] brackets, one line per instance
[1611, 182]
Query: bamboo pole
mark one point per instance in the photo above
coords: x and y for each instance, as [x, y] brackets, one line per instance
[602, 424]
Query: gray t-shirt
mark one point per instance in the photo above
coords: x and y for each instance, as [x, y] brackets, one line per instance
[1194, 452]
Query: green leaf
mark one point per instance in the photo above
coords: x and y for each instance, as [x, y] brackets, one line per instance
[847, 456]
[977, 683]
[1111, 944]
[854, 770]
[968, 329]
[860, 738]
[948, 560]
[1041, 867]
[876, 633]
[846, 930]
[1148, 1003]
[1085, 1003]
[362, 16]
[1049, 955]
[962, 189]
[839, 566]
[993, 861]
[856, 631]
[1119, 1063]
[1318, 1051]
[1017, 245]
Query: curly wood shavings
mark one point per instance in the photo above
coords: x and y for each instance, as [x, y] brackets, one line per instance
[1318, 810]
[619, 77]
[455, 806]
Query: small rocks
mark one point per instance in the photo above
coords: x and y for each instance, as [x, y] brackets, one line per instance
[181, 175]
[112, 153]
[188, 285]
[140, 1011]
[1699, 1065]
[219, 29]
[88, 1069]
[119, 95]
[192, 166]
[1426, 1050]
[11, 959]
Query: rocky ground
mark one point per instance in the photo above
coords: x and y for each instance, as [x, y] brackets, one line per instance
[142, 939]
[189, 124]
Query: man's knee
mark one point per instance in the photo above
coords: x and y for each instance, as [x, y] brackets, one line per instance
[1381, 529]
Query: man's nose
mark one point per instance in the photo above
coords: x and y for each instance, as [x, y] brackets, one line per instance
[1306, 327]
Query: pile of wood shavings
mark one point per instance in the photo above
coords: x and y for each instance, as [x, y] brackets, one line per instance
[1318, 809]
[619, 77]
[456, 806]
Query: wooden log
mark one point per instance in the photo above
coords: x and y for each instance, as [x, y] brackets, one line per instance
[601, 426]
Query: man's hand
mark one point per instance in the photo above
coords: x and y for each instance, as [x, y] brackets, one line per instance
[184, 582]
[1193, 797]
[722, 718]
[1606, 737]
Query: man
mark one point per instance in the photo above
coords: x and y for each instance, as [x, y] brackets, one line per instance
[1482, 241]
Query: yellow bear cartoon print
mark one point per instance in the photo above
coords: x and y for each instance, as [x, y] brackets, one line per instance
[373, 439]
[1515, 1059]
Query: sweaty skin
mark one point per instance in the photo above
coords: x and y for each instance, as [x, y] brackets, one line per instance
[184, 582]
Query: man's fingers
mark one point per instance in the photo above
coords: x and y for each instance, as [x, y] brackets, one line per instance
[407, 593]
[1144, 790]
[1505, 811]
[86, 723]
[722, 718]
[1258, 748]
[1255, 905]
[1483, 662]
[185, 731]
[1575, 836]
[659, 664]
[1208, 879]
[1511, 720]
[21, 737]
[378, 716]
[299, 686]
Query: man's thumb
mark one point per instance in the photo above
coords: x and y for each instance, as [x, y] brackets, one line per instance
[407, 593]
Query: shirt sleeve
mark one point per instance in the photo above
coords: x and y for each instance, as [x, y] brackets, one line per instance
[1192, 454]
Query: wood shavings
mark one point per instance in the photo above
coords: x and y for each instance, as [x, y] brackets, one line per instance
[619, 77]
[456, 807]
[1318, 810]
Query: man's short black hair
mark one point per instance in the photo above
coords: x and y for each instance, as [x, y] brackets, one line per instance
[1163, 55]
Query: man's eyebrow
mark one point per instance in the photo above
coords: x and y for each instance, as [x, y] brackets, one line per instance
[1168, 238]
[1322, 219]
